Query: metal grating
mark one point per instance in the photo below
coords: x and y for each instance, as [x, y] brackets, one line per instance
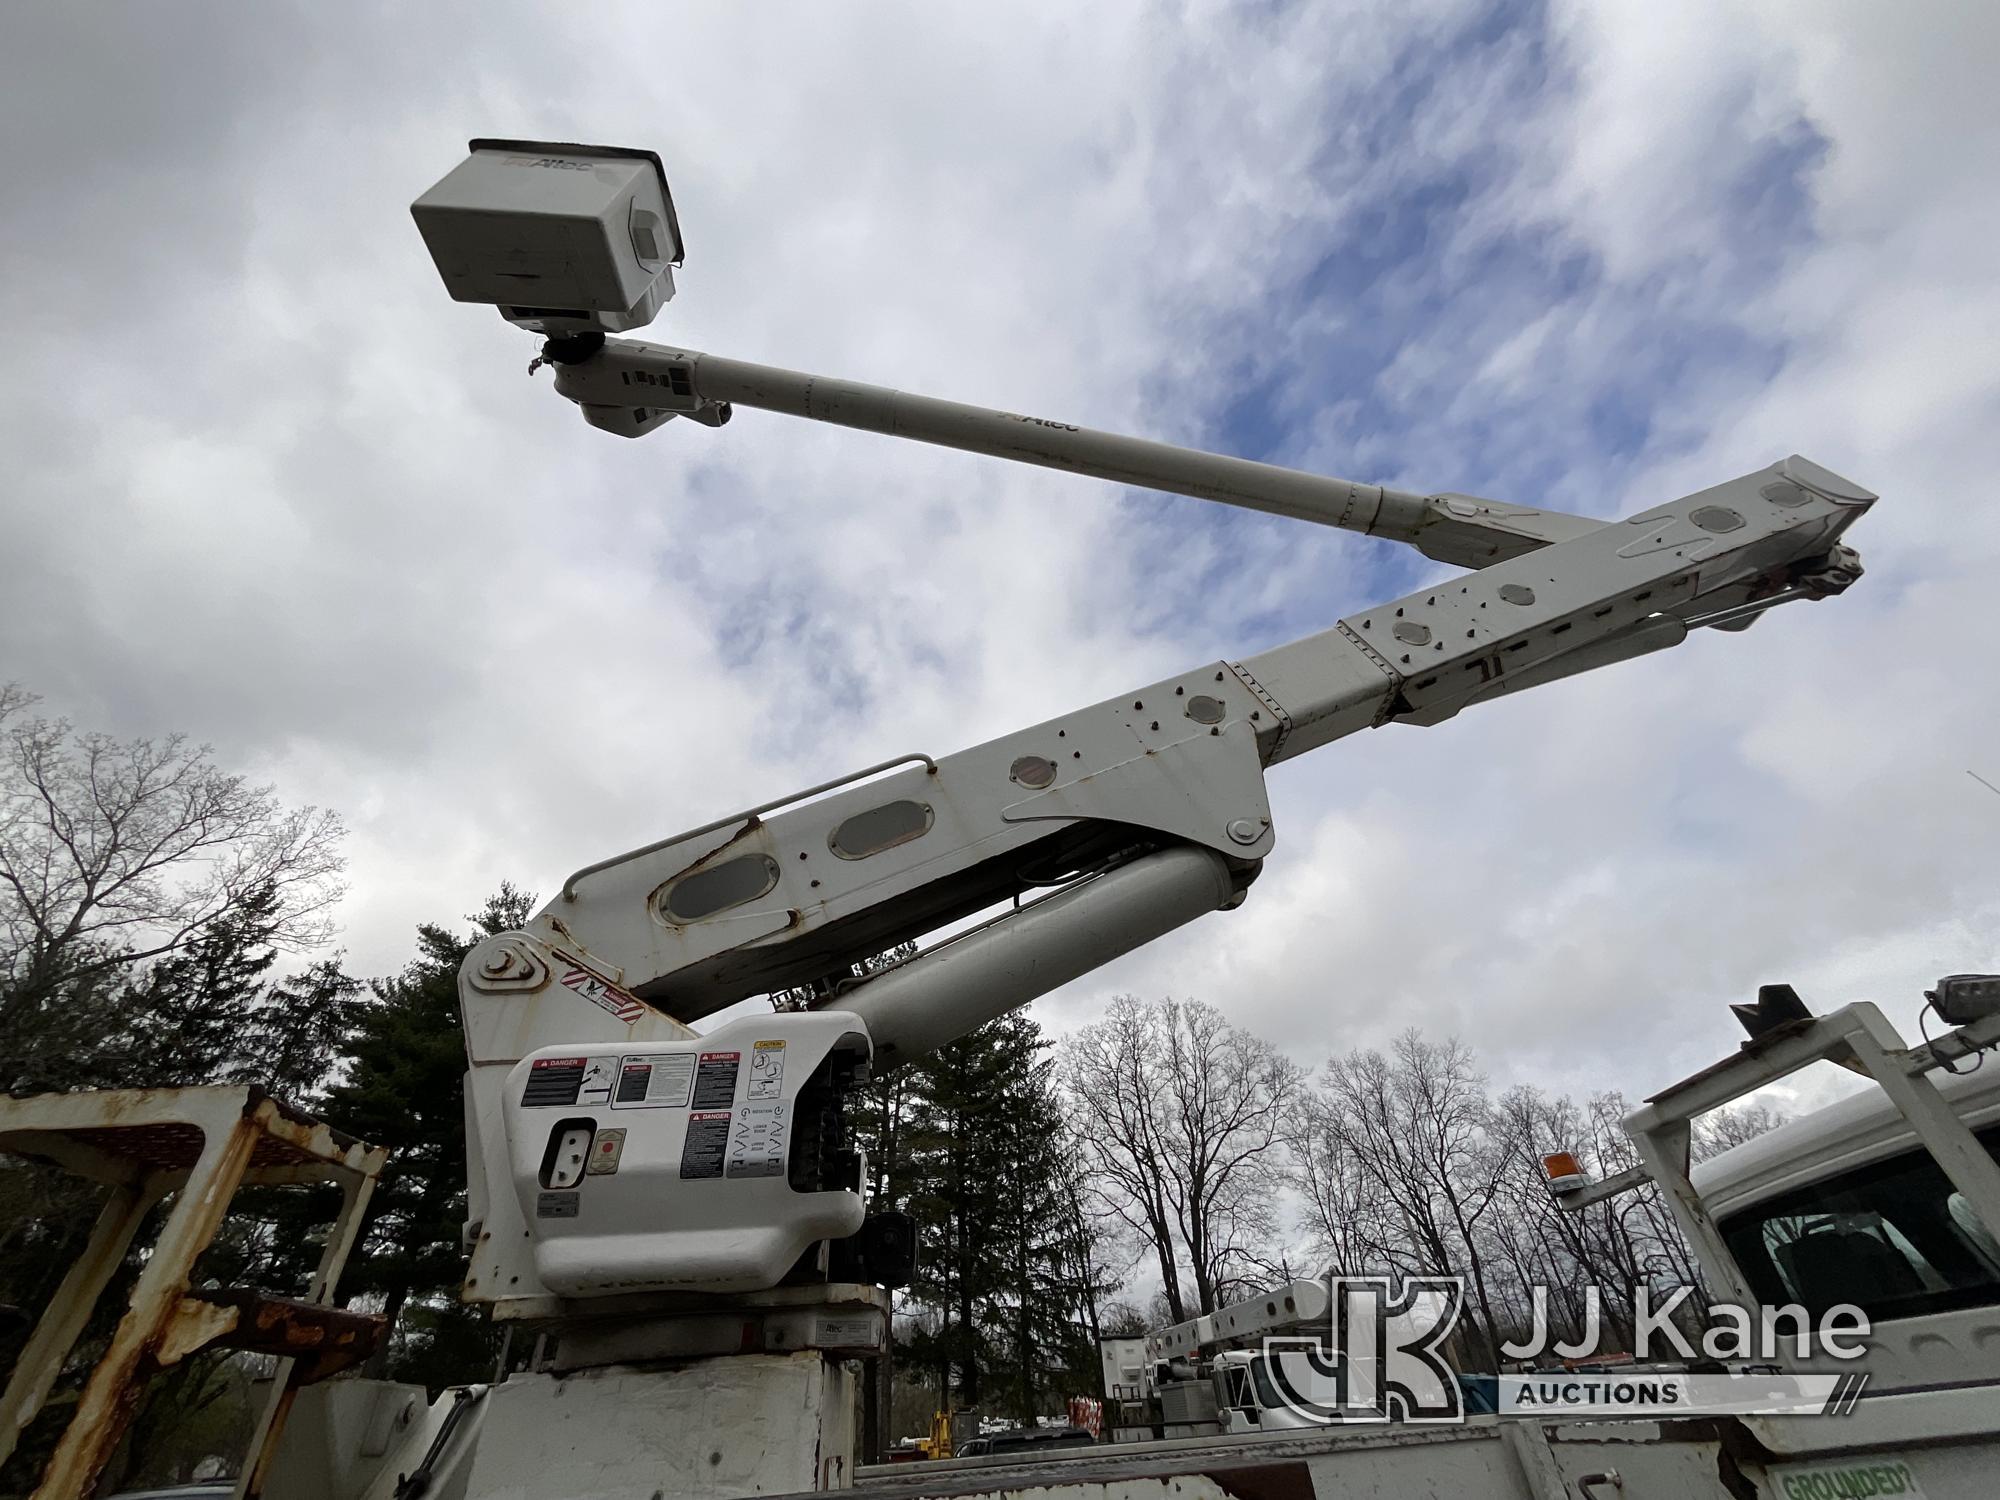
[176, 1147]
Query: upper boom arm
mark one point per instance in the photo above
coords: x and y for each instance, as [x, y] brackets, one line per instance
[797, 896]
[630, 388]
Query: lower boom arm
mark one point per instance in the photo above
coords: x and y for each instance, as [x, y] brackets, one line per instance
[1093, 833]
[787, 897]
[614, 1153]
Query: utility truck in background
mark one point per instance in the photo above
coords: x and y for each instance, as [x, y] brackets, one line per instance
[1884, 1201]
[675, 1220]
[1209, 1375]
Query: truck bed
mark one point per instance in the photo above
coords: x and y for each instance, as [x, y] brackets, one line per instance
[1509, 1458]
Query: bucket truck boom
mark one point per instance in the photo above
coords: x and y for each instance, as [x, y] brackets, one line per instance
[1093, 832]
[1086, 834]
[644, 1196]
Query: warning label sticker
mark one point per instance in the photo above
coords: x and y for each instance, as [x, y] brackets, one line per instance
[757, 1141]
[557, 1205]
[715, 1080]
[553, 1080]
[596, 1085]
[662, 1080]
[604, 994]
[767, 1071]
[707, 1142]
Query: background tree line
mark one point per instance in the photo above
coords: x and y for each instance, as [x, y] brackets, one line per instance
[149, 901]
[1227, 1167]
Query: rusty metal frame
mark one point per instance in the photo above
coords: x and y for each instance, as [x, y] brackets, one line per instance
[198, 1145]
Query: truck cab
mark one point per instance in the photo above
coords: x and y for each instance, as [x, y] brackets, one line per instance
[1247, 1398]
[1847, 1206]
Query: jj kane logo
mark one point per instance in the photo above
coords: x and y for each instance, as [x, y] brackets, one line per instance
[1384, 1360]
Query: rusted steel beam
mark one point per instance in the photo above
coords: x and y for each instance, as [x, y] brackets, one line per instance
[356, 1190]
[41, 1359]
[201, 1143]
[322, 1340]
[111, 1134]
[115, 1387]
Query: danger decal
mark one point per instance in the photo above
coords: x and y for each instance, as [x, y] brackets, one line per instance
[604, 995]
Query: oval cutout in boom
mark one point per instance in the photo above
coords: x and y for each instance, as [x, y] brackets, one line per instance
[719, 887]
[880, 828]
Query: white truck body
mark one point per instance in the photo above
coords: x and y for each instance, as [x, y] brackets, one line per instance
[1928, 1424]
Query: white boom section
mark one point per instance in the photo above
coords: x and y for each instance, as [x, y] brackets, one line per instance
[1143, 813]
[1146, 811]
[629, 376]
[1279, 1310]
[612, 1152]
[783, 897]
[620, 1163]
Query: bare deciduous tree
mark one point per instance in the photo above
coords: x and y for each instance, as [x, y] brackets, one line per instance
[1403, 1166]
[117, 853]
[1732, 1125]
[1109, 1081]
[1183, 1116]
[1349, 1220]
[1417, 1123]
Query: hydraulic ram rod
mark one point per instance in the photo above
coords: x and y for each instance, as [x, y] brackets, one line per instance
[967, 980]
[1458, 529]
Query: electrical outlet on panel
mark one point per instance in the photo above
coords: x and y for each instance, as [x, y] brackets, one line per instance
[570, 1156]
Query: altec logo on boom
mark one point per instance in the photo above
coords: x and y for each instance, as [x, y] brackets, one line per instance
[1384, 1359]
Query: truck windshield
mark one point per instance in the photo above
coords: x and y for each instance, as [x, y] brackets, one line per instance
[1267, 1392]
[1893, 1238]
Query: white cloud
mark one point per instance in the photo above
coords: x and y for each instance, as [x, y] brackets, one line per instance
[268, 485]
[1580, 879]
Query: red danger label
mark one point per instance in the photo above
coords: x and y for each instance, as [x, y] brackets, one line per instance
[560, 1062]
[715, 1080]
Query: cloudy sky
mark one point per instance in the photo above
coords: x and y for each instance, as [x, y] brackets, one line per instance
[266, 484]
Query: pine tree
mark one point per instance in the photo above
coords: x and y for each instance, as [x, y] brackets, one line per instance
[291, 1044]
[954, 1195]
[972, 1143]
[404, 1090]
[1052, 1352]
[191, 1010]
[294, 1039]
